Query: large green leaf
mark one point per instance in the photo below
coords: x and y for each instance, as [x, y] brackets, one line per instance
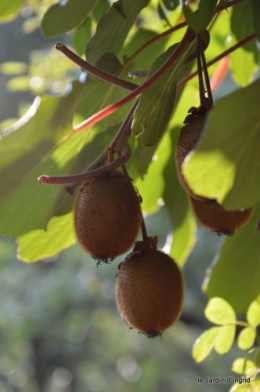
[158, 102]
[236, 274]
[97, 96]
[113, 27]
[245, 59]
[255, 9]
[42, 144]
[65, 16]
[40, 244]
[227, 162]
[9, 9]
[150, 193]
[200, 19]
[176, 201]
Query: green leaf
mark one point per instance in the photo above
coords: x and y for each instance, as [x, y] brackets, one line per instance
[176, 201]
[151, 194]
[158, 102]
[200, 19]
[244, 60]
[98, 95]
[9, 9]
[220, 312]
[81, 36]
[225, 339]
[112, 29]
[163, 15]
[227, 161]
[41, 143]
[244, 366]
[204, 344]
[235, 275]
[65, 16]
[13, 68]
[170, 4]
[246, 338]
[250, 386]
[41, 244]
[253, 314]
[255, 10]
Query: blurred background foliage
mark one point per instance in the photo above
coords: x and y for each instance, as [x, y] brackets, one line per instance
[59, 327]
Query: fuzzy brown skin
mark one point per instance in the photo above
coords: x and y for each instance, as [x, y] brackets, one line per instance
[212, 215]
[107, 216]
[188, 138]
[149, 291]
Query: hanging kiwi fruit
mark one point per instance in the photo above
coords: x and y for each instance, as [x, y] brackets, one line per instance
[107, 216]
[149, 289]
[208, 211]
[212, 215]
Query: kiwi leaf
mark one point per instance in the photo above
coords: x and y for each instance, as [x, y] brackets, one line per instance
[181, 216]
[236, 274]
[158, 102]
[112, 29]
[40, 244]
[200, 19]
[244, 61]
[226, 165]
[255, 9]
[41, 143]
[65, 16]
[9, 9]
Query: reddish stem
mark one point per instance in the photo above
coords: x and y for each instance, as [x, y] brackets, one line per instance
[77, 178]
[119, 144]
[217, 58]
[94, 70]
[155, 39]
[219, 74]
[140, 89]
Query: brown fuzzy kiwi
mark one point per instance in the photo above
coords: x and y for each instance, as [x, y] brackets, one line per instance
[107, 216]
[212, 215]
[149, 291]
[188, 138]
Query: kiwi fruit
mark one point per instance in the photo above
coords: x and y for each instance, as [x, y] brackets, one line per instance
[212, 215]
[188, 138]
[149, 291]
[107, 216]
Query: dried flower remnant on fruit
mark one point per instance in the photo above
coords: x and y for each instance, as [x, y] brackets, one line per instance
[107, 216]
[149, 291]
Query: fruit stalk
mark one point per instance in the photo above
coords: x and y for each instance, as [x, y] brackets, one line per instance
[119, 144]
[94, 70]
[188, 37]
